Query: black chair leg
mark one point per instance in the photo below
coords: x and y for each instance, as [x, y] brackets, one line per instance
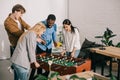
[102, 69]
[32, 74]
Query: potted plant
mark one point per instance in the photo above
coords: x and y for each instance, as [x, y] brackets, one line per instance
[106, 37]
[52, 75]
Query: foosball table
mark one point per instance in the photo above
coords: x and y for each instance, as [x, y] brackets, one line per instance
[62, 64]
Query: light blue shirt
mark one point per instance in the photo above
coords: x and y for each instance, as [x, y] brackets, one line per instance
[49, 36]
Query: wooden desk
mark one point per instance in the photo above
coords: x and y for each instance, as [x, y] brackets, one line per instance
[87, 75]
[113, 52]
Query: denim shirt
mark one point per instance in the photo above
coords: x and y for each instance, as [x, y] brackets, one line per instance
[49, 35]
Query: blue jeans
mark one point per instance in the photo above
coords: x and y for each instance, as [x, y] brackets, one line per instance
[20, 73]
[76, 53]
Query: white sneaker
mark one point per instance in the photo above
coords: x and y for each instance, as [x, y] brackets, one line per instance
[10, 69]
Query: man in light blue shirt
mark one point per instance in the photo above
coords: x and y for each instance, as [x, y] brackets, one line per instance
[48, 37]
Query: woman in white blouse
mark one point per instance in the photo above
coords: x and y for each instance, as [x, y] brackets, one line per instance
[71, 39]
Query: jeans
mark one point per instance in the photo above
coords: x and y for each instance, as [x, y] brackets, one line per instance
[20, 73]
[76, 53]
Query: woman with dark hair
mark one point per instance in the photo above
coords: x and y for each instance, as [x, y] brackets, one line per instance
[71, 39]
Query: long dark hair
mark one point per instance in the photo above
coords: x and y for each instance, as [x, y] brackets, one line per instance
[68, 22]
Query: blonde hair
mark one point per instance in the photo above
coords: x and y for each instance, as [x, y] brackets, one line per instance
[37, 28]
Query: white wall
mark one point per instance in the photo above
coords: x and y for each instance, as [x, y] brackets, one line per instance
[93, 16]
[4, 44]
[36, 10]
